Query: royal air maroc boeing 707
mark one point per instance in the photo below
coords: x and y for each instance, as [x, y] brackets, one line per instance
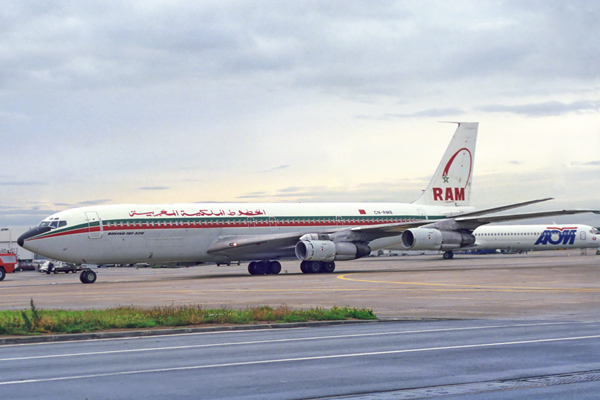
[262, 233]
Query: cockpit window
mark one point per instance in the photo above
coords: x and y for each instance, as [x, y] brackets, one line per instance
[53, 224]
[595, 231]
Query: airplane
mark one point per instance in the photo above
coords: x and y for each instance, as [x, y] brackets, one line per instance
[519, 237]
[262, 233]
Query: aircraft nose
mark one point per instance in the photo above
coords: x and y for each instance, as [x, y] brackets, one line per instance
[31, 233]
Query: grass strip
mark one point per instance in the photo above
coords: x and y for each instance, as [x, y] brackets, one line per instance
[35, 321]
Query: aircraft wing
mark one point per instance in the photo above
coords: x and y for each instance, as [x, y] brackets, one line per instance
[392, 229]
[446, 223]
[279, 245]
[240, 243]
[467, 221]
[493, 210]
[476, 221]
[259, 245]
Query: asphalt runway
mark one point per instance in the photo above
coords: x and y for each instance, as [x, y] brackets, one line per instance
[375, 361]
[493, 327]
[541, 285]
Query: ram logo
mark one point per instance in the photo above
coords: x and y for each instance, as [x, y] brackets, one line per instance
[448, 195]
[455, 193]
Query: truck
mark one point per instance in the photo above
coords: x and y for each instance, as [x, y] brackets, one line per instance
[8, 261]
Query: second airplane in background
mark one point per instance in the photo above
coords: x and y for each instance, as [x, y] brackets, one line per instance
[513, 237]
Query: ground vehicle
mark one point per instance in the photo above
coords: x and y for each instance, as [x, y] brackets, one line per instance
[58, 266]
[8, 261]
[25, 266]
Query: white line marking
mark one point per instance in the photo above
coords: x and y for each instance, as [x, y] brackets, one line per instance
[168, 335]
[282, 360]
[194, 346]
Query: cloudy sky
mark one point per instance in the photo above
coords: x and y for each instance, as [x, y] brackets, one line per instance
[183, 101]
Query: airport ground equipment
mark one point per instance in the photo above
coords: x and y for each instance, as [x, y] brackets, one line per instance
[8, 262]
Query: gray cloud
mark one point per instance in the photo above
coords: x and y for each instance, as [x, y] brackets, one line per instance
[359, 47]
[22, 183]
[292, 189]
[97, 98]
[432, 113]
[279, 168]
[94, 202]
[154, 188]
[588, 164]
[253, 195]
[545, 109]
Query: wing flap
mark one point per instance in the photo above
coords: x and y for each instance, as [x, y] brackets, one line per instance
[240, 243]
[391, 229]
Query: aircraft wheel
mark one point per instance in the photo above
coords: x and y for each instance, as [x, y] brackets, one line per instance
[274, 267]
[2, 274]
[313, 267]
[328, 267]
[55, 272]
[252, 268]
[87, 276]
[598, 252]
[262, 268]
[303, 267]
[448, 255]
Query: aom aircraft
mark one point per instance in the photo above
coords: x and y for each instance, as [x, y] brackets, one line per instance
[317, 234]
[518, 237]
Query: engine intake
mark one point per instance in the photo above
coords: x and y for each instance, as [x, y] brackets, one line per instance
[433, 239]
[326, 250]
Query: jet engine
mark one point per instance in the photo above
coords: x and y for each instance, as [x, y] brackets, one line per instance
[433, 239]
[327, 250]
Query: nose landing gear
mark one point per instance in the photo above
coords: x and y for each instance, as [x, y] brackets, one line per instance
[87, 276]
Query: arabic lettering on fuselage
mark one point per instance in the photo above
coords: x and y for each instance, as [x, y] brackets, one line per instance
[200, 213]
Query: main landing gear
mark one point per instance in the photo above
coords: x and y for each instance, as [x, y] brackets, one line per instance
[314, 267]
[264, 267]
[448, 255]
[87, 276]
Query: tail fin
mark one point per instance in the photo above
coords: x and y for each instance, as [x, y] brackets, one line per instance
[451, 183]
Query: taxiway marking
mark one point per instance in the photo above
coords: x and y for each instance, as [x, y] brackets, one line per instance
[464, 287]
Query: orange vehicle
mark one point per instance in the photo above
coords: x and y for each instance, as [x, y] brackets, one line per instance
[8, 262]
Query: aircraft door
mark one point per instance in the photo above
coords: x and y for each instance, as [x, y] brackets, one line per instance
[422, 214]
[582, 235]
[251, 222]
[94, 224]
[339, 221]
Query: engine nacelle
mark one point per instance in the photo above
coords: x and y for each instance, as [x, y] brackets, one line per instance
[326, 250]
[433, 239]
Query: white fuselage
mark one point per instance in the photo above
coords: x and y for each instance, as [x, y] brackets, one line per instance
[172, 233]
[535, 237]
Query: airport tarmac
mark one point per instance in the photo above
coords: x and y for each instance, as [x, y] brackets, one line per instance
[561, 285]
